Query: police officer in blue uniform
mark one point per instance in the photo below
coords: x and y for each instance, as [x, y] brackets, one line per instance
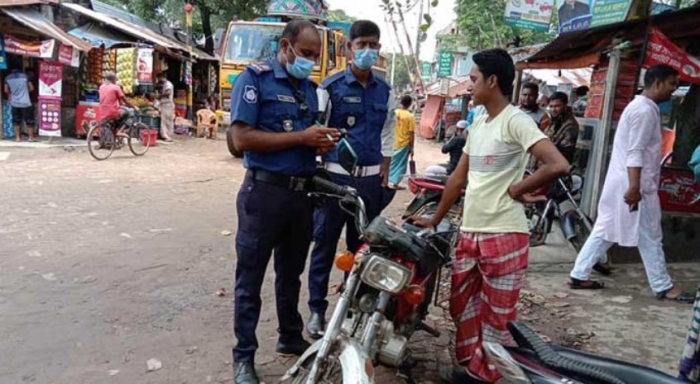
[359, 102]
[273, 111]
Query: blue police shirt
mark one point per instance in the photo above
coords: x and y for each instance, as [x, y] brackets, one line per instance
[361, 111]
[264, 98]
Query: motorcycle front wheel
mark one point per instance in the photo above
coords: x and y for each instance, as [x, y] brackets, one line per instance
[331, 373]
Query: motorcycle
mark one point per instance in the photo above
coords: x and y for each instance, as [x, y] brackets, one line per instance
[390, 283]
[533, 361]
[575, 224]
[427, 191]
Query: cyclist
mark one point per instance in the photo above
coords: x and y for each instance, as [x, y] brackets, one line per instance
[113, 103]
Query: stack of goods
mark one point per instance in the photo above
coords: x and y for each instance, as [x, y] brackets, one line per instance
[126, 69]
[624, 89]
[182, 126]
[109, 60]
[95, 63]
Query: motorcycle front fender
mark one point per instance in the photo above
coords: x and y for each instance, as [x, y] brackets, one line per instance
[356, 366]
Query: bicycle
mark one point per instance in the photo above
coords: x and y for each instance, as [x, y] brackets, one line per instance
[104, 138]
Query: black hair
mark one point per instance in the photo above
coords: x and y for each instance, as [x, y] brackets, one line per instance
[406, 101]
[659, 72]
[532, 86]
[364, 28]
[294, 28]
[582, 91]
[561, 96]
[497, 62]
[161, 75]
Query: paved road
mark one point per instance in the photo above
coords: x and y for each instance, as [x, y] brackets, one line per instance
[105, 265]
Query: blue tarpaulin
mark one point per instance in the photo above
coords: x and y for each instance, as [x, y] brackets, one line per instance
[98, 36]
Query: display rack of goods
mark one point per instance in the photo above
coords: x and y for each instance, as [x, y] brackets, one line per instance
[126, 69]
[95, 64]
[109, 61]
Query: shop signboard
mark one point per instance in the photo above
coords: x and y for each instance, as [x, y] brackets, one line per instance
[529, 14]
[144, 65]
[426, 69]
[49, 119]
[3, 57]
[40, 49]
[50, 79]
[661, 50]
[444, 64]
[577, 15]
[68, 55]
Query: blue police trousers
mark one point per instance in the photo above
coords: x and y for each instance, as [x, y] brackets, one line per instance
[329, 221]
[270, 218]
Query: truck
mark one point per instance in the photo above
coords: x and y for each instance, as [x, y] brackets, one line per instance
[247, 42]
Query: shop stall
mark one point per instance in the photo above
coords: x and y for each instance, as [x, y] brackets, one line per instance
[444, 106]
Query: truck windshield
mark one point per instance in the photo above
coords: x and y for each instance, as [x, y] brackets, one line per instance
[249, 43]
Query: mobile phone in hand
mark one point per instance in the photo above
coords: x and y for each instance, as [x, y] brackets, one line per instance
[634, 207]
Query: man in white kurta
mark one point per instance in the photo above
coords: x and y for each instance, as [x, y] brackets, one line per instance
[629, 211]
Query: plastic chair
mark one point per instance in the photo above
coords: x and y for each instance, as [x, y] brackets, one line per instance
[207, 122]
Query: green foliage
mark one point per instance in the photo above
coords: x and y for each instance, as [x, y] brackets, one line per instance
[340, 15]
[401, 76]
[483, 24]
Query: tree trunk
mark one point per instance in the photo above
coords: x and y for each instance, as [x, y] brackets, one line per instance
[206, 29]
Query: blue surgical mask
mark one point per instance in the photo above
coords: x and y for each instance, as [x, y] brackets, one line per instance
[364, 59]
[301, 68]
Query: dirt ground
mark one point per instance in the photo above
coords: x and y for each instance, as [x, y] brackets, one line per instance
[106, 265]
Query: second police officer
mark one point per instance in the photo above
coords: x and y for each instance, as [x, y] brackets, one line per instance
[273, 112]
[359, 102]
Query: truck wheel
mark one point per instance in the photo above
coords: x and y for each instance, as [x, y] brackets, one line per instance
[232, 146]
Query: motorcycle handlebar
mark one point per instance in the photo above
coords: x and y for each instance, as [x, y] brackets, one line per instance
[321, 185]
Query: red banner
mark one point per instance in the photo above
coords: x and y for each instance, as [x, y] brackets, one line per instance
[661, 50]
[43, 49]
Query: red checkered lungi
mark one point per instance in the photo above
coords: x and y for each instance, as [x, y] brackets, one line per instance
[487, 276]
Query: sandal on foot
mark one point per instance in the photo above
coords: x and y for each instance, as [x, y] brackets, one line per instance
[682, 297]
[585, 284]
[603, 269]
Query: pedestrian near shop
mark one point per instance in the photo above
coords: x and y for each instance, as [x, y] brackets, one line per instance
[529, 103]
[358, 101]
[18, 88]
[629, 211]
[167, 107]
[404, 141]
[492, 250]
[273, 111]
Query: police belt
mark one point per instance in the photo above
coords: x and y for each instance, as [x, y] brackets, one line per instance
[371, 170]
[292, 183]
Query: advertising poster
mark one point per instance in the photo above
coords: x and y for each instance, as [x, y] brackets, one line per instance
[50, 79]
[529, 14]
[40, 49]
[3, 56]
[444, 64]
[49, 119]
[144, 65]
[577, 15]
[68, 55]
[661, 50]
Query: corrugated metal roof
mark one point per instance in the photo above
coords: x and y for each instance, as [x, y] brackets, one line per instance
[124, 15]
[577, 77]
[98, 36]
[36, 21]
[458, 86]
[129, 28]
[18, 3]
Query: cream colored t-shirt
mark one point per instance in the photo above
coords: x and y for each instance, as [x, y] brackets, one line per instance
[498, 154]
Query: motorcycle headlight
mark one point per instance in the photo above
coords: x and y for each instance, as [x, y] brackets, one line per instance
[385, 275]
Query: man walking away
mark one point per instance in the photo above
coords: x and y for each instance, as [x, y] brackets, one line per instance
[633, 217]
[17, 88]
[167, 108]
[563, 129]
[403, 143]
[529, 96]
[492, 250]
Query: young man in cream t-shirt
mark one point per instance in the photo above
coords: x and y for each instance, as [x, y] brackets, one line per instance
[492, 251]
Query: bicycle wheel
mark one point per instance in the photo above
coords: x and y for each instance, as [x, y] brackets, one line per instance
[101, 142]
[137, 146]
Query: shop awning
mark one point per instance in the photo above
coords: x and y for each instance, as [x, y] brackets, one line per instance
[98, 36]
[17, 3]
[129, 28]
[36, 21]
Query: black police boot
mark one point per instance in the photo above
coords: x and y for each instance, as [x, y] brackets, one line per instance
[244, 373]
[316, 326]
[296, 347]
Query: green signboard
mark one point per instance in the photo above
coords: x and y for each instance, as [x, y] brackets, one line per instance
[610, 11]
[583, 14]
[444, 64]
[426, 69]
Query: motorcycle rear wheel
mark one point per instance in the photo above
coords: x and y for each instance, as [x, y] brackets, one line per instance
[331, 373]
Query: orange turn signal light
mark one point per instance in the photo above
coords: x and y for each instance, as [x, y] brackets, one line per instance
[414, 294]
[344, 261]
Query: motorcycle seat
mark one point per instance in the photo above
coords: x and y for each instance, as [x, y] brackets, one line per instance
[628, 372]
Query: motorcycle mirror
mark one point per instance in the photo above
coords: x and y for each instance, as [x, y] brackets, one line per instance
[347, 158]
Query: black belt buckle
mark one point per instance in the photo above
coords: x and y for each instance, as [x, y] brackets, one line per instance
[297, 183]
